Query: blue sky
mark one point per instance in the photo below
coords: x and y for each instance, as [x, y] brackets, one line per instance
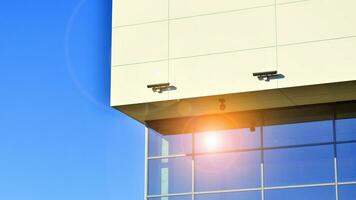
[59, 138]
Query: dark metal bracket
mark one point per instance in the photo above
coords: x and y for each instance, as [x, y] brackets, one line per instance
[161, 87]
[268, 75]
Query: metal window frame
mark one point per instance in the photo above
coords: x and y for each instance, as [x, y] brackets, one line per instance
[263, 188]
[336, 183]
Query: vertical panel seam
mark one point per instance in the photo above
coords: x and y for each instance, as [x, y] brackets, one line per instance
[276, 37]
[168, 44]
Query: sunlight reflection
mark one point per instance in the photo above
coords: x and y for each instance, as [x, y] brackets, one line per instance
[212, 141]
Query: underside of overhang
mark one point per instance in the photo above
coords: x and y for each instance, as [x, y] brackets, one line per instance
[238, 110]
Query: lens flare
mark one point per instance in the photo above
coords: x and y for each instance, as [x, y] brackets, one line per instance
[212, 141]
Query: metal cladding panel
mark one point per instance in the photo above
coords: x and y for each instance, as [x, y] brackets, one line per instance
[208, 50]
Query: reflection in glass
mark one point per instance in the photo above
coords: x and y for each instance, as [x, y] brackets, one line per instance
[312, 193]
[346, 129]
[167, 176]
[346, 156]
[217, 167]
[255, 195]
[185, 197]
[228, 171]
[347, 192]
[304, 165]
[227, 140]
[297, 134]
[164, 145]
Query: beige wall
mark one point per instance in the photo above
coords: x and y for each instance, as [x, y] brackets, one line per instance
[212, 47]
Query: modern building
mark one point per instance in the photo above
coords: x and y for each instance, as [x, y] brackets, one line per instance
[242, 99]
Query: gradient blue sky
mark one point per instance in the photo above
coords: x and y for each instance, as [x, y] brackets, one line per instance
[59, 138]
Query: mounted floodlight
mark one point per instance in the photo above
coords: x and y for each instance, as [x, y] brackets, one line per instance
[266, 76]
[161, 87]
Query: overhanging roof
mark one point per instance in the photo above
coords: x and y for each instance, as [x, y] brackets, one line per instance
[169, 117]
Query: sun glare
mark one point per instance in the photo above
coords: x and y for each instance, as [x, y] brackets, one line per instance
[212, 141]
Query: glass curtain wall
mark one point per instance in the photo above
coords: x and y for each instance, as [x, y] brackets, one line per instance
[309, 160]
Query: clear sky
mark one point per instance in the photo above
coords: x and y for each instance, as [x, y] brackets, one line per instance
[59, 138]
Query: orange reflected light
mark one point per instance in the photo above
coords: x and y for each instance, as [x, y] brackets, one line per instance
[212, 141]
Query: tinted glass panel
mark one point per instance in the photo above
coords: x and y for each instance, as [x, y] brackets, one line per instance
[228, 140]
[346, 156]
[315, 193]
[228, 171]
[160, 145]
[304, 165]
[231, 196]
[346, 129]
[299, 133]
[169, 175]
[172, 198]
[347, 192]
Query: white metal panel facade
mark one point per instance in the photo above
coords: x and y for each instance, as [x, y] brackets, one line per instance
[129, 12]
[186, 8]
[131, 90]
[207, 48]
[221, 73]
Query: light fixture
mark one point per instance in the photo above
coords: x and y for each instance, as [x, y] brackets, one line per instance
[222, 104]
[266, 76]
[252, 127]
[161, 87]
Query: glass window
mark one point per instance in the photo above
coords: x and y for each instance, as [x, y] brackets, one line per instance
[302, 165]
[346, 156]
[164, 145]
[228, 140]
[298, 133]
[255, 195]
[167, 176]
[312, 193]
[347, 192]
[346, 129]
[228, 171]
[186, 197]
